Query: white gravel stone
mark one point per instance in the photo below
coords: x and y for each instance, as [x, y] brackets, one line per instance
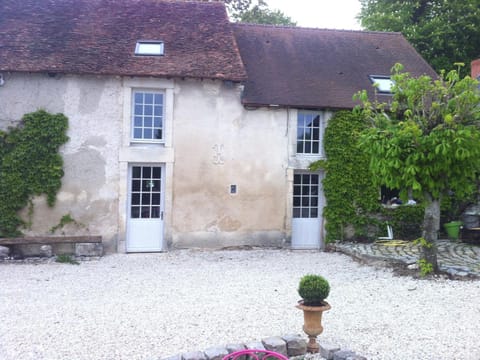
[146, 306]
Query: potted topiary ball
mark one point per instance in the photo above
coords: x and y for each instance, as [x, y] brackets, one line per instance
[313, 289]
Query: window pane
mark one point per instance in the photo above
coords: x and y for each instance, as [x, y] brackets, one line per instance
[147, 134]
[146, 199]
[314, 179]
[136, 171]
[308, 148]
[296, 201]
[314, 201]
[146, 185]
[147, 172]
[299, 146]
[305, 201]
[148, 98]
[307, 134]
[305, 190]
[316, 134]
[314, 212]
[155, 199]
[305, 213]
[158, 110]
[135, 199]
[156, 172]
[297, 179]
[135, 212]
[138, 110]
[137, 122]
[148, 121]
[137, 133]
[316, 121]
[296, 190]
[136, 185]
[306, 179]
[156, 185]
[145, 212]
[148, 110]
[296, 212]
[316, 147]
[139, 98]
[155, 212]
[314, 190]
[300, 133]
[158, 98]
[301, 121]
[158, 134]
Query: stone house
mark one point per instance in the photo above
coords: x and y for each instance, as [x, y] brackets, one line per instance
[186, 130]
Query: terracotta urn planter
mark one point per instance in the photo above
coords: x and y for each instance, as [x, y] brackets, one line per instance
[313, 289]
[312, 323]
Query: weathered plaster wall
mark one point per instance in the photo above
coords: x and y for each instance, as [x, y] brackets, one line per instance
[217, 144]
[90, 185]
[211, 142]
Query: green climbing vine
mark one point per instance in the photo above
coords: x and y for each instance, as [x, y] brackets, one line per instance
[30, 165]
[350, 192]
[64, 221]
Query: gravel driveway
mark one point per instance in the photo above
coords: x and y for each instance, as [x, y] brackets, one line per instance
[146, 306]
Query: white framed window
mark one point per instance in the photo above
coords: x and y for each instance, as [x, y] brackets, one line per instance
[149, 48]
[382, 83]
[309, 132]
[148, 113]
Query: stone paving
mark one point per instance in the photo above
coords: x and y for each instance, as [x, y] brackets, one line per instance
[455, 258]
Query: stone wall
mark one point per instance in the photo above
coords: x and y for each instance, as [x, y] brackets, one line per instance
[293, 346]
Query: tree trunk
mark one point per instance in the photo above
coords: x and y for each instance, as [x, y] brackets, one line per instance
[431, 227]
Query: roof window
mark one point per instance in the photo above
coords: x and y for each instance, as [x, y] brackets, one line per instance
[149, 48]
[382, 83]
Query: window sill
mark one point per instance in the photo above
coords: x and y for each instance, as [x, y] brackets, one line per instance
[146, 142]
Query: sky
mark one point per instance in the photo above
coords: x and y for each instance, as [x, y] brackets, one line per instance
[330, 14]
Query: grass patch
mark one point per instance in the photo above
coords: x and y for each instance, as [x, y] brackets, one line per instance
[66, 259]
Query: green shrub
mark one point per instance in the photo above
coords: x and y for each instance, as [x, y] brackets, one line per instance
[313, 289]
[406, 221]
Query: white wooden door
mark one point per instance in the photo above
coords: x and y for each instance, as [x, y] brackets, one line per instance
[308, 201]
[145, 208]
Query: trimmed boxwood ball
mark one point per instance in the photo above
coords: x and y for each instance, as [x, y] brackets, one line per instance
[313, 289]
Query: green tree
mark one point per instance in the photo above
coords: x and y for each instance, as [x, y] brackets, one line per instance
[237, 7]
[244, 11]
[425, 141]
[442, 31]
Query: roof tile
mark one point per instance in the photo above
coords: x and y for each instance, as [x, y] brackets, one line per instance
[99, 37]
[318, 68]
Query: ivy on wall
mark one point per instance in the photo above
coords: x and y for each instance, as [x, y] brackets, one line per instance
[348, 186]
[30, 165]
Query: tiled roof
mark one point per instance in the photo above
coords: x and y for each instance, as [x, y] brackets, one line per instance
[318, 68]
[99, 37]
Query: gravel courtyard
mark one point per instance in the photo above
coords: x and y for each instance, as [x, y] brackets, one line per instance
[149, 306]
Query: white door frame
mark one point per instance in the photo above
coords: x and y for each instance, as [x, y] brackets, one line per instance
[145, 224]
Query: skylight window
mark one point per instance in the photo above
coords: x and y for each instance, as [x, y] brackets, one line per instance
[149, 48]
[382, 83]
